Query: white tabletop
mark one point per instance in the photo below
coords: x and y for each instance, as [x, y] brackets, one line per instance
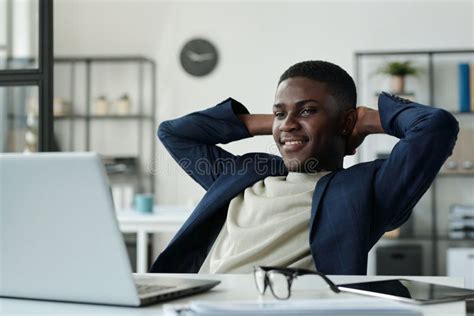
[163, 219]
[233, 287]
[167, 218]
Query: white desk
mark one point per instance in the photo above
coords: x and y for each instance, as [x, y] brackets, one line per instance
[233, 287]
[164, 219]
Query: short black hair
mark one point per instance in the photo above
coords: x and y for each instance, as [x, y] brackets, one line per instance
[339, 83]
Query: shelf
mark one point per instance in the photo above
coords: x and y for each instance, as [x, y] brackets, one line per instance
[446, 238]
[461, 113]
[425, 238]
[455, 175]
[81, 116]
[91, 117]
[104, 117]
[116, 59]
[368, 59]
[414, 52]
[408, 238]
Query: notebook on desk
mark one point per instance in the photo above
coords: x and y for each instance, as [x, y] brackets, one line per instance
[59, 238]
[322, 307]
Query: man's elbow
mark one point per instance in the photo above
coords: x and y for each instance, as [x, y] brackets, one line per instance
[448, 126]
[450, 122]
[164, 130]
[441, 121]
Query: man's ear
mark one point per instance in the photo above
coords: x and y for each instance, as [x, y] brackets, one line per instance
[349, 119]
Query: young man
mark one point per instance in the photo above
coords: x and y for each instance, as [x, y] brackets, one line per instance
[303, 209]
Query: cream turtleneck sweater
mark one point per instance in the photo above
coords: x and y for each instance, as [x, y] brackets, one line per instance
[267, 224]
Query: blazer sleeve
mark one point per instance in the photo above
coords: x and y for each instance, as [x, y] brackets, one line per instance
[427, 138]
[191, 140]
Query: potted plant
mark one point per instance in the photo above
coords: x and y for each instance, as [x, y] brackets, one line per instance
[398, 71]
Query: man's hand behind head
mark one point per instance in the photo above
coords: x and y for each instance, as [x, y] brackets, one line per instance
[368, 122]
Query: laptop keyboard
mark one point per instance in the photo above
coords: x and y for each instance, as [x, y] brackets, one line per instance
[150, 288]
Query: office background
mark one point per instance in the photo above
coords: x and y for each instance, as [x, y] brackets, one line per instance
[256, 42]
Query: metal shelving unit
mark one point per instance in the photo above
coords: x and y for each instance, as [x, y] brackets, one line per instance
[81, 122]
[435, 237]
[141, 116]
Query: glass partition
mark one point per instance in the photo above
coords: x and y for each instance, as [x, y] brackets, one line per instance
[19, 119]
[19, 34]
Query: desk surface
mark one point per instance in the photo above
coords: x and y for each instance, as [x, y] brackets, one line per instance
[163, 218]
[233, 287]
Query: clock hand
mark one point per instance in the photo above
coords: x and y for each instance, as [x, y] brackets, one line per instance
[193, 56]
[206, 56]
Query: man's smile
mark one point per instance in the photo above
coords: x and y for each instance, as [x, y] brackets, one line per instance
[293, 144]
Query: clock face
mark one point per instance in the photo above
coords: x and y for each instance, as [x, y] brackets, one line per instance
[198, 57]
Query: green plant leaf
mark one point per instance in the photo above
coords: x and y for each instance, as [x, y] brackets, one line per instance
[397, 68]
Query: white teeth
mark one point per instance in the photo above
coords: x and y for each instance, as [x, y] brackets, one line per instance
[294, 142]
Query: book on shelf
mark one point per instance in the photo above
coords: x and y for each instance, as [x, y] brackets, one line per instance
[471, 85]
[464, 87]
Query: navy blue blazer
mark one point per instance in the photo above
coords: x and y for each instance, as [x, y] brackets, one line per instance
[351, 209]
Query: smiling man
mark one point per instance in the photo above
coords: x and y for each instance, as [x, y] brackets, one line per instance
[302, 209]
[311, 124]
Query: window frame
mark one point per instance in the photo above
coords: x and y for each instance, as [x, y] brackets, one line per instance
[41, 77]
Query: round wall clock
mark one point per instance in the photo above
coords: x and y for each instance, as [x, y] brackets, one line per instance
[199, 57]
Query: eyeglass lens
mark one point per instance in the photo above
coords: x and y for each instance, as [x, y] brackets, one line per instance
[279, 284]
[260, 280]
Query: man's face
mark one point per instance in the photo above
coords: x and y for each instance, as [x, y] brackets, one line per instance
[306, 125]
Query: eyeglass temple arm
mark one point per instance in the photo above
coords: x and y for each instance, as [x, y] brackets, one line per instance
[331, 284]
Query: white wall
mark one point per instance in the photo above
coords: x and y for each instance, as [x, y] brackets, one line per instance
[25, 28]
[3, 26]
[257, 41]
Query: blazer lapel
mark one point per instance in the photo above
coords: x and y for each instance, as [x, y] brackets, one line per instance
[318, 193]
[228, 186]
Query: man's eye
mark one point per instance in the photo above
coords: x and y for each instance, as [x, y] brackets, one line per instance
[279, 115]
[308, 112]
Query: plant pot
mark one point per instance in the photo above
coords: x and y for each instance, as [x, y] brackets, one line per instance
[397, 84]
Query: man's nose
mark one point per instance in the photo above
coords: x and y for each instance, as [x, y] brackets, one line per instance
[289, 124]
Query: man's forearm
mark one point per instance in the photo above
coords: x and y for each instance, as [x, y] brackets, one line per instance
[371, 123]
[257, 124]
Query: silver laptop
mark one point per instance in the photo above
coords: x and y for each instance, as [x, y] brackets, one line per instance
[59, 237]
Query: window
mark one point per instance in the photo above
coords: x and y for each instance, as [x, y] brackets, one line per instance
[26, 75]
